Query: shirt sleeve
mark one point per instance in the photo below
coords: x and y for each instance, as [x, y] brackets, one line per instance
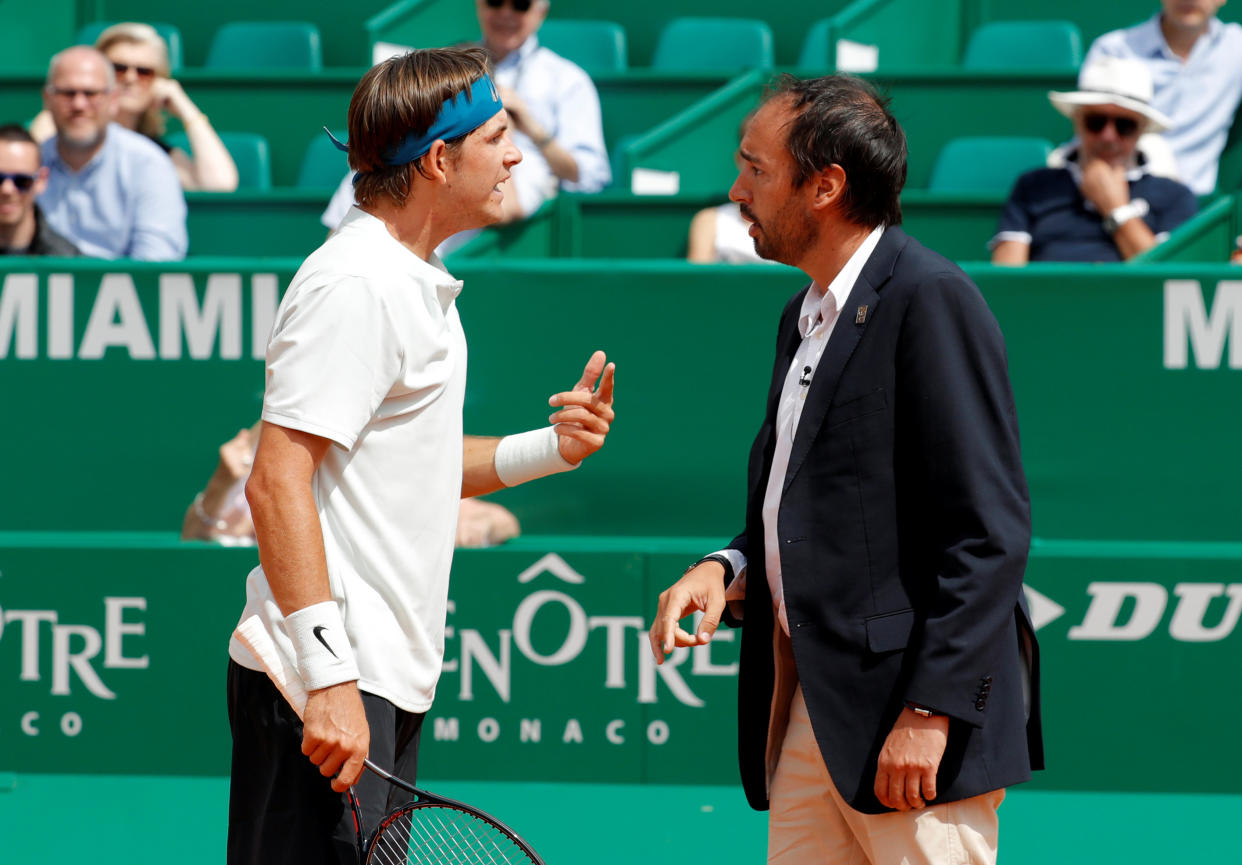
[1015, 218]
[332, 359]
[159, 232]
[1181, 206]
[580, 130]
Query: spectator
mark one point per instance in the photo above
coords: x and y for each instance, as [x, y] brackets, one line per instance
[1104, 204]
[139, 57]
[220, 512]
[553, 106]
[23, 231]
[111, 191]
[1195, 63]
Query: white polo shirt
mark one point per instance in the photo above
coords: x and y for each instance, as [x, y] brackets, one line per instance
[368, 351]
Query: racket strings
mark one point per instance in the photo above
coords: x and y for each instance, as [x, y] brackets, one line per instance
[436, 835]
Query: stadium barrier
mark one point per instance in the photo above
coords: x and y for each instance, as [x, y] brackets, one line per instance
[618, 225]
[128, 376]
[1210, 236]
[112, 659]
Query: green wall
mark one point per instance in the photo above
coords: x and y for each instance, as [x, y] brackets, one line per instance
[1111, 365]
[114, 641]
[33, 32]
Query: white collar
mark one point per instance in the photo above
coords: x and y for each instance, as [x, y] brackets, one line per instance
[1134, 171]
[819, 306]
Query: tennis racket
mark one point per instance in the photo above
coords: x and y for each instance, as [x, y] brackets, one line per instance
[428, 830]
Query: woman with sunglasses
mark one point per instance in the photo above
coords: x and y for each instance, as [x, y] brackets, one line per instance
[145, 93]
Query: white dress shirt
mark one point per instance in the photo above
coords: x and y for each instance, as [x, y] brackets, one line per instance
[564, 101]
[562, 97]
[820, 311]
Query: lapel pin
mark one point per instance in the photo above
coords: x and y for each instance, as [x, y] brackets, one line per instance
[861, 316]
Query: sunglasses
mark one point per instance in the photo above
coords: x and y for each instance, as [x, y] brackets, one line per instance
[69, 93]
[518, 5]
[141, 71]
[1125, 126]
[23, 182]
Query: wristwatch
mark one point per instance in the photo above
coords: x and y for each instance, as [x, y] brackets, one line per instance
[1119, 216]
[921, 711]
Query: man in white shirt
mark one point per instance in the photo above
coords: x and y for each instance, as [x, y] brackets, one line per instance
[1196, 69]
[883, 699]
[552, 104]
[361, 462]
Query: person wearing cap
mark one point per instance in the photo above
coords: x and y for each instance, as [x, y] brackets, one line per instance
[1104, 203]
[354, 485]
[1195, 62]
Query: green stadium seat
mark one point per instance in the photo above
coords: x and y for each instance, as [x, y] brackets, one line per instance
[817, 47]
[323, 166]
[714, 43]
[596, 46]
[986, 164]
[1024, 45]
[250, 154]
[267, 45]
[171, 33]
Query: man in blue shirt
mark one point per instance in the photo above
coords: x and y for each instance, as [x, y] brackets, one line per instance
[1196, 68]
[1104, 204]
[113, 192]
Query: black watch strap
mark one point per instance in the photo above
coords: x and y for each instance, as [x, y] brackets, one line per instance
[716, 557]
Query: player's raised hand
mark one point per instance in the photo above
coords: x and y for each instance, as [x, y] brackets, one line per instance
[700, 589]
[586, 413]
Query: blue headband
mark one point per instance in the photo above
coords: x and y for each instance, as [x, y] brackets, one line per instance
[461, 114]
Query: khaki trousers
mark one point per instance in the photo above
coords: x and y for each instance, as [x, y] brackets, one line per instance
[809, 823]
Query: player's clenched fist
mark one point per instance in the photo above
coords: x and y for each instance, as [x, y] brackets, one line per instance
[335, 733]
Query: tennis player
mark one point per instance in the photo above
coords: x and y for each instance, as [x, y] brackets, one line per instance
[361, 463]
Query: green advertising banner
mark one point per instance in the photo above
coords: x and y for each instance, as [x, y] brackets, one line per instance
[120, 382]
[112, 661]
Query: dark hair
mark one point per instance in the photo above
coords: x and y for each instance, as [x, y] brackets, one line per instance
[399, 96]
[16, 132]
[842, 120]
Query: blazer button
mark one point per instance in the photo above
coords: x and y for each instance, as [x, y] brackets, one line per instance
[979, 704]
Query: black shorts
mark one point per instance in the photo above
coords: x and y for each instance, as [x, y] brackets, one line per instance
[280, 808]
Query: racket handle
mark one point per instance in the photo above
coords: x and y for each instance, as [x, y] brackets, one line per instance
[284, 675]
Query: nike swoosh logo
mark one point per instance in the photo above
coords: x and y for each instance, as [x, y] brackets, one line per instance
[319, 636]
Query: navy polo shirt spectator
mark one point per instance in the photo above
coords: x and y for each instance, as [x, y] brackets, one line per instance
[1047, 211]
[1104, 204]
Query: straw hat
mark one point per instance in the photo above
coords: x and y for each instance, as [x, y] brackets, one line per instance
[1119, 81]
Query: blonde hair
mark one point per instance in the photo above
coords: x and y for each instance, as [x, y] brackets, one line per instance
[151, 124]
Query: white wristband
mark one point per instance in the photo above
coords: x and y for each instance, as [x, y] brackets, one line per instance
[529, 455]
[323, 653]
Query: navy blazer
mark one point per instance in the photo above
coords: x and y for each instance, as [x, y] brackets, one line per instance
[904, 528]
